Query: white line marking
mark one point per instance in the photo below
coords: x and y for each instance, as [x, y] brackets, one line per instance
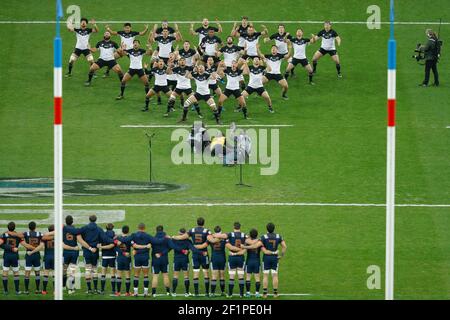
[211, 126]
[225, 204]
[232, 21]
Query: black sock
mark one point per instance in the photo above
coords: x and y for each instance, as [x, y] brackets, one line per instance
[213, 286]
[182, 100]
[147, 101]
[113, 283]
[247, 285]
[88, 283]
[16, 283]
[159, 99]
[167, 289]
[5, 283]
[186, 285]
[174, 284]
[146, 282]
[338, 68]
[27, 283]
[207, 285]
[91, 74]
[196, 285]
[185, 112]
[217, 116]
[292, 72]
[64, 280]
[197, 108]
[275, 291]
[128, 284]
[265, 290]
[102, 282]
[219, 110]
[107, 70]
[241, 286]
[244, 111]
[136, 283]
[257, 286]
[147, 89]
[310, 77]
[120, 75]
[118, 284]
[70, 67]
[95, 283]
[45, 283]
[122, 88]
[222, 285]
[37, 280]
[314, 66]
[170, 105]
[230, 287]
[153, 290]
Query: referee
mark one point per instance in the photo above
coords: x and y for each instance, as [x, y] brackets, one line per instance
[431, 54]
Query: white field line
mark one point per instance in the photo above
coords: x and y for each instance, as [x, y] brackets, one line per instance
[209, 126]
[232, 21]
[226, 204]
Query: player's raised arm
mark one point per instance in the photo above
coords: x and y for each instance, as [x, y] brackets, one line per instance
[94, 26]
[219, 26]
[178, 35]
[114, 33]
[191, 30]
[143, 32]
[70, 26]
[264, 31]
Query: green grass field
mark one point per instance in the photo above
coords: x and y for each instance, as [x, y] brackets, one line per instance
[334, 152]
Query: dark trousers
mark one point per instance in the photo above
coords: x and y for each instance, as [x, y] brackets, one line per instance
[431, 65]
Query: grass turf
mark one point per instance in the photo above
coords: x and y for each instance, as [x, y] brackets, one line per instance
[334, 153]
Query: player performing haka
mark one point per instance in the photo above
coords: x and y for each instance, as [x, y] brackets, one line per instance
[210, 45]
[135, 54]
[107, 49]
[164, 25]
[255, 83]
[160, 71]
[273, 61]
[202, 92]
[82, 46]
[165, 42]
[329, 39]
[232, 52]
[189, 54]
[239, 31]
[204, 29]
[251, 45]
[127, 37]
[232, 87]
[299, 44]
[183, 86]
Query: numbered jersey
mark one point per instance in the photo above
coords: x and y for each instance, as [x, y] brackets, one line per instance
[70, 235]
[199, 235]
[49, 246]
[328, 39]
[82, 38]
[271, 241]
[127, 38]
[12, 241]
[236, 238]
[299, 47]
[218, 248]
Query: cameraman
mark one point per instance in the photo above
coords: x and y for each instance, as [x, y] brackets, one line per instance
[431, 55]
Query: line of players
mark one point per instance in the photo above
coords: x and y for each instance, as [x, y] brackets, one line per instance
[117, 251]
[173, 69]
